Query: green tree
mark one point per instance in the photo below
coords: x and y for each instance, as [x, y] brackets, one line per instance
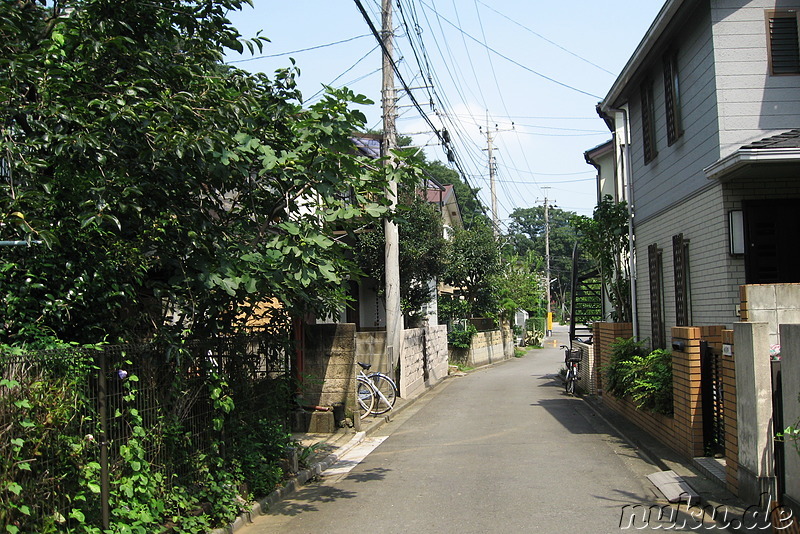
[421, 249]
[519, 285]
[473, 264]
[526, 235]
[168, 188]
[604, 238]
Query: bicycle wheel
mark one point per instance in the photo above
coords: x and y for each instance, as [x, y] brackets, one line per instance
[365, 394]
[387, 392]
[569, 382]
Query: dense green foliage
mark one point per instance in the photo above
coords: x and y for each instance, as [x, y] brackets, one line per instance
[472, 264]
[167, 187]
[187, 448]
[460, 335]
[646, 378]
[422, 252]
[518, 286]
[526, 233]
[604, 238]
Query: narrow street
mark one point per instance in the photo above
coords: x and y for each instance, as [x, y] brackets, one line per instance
[502, 449]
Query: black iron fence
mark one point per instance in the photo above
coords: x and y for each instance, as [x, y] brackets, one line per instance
[78, 424]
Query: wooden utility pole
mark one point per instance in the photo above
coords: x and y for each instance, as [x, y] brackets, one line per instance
[549, 324]
[489, 149]
[394, 317]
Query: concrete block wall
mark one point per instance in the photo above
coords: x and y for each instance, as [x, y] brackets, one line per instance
[423, 361]
[774, 304]
[371, 348]
[328, 377]
[436, 354]
[487, 347]
[412, 363]
[588, 368]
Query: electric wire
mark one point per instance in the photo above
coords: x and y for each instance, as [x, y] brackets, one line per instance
[546, 39]
[513, 61]
[297, 51]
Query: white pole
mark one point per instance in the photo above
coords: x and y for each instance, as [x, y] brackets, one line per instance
[394, 317]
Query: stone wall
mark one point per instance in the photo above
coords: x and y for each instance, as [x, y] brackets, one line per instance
[487, 347]
[328, 374]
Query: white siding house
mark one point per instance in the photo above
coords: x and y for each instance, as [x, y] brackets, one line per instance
[702, 118]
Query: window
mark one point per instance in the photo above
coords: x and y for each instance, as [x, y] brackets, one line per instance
[784, 47]
[672, 97]
[680, 263]
[654, 261]
[648, 122]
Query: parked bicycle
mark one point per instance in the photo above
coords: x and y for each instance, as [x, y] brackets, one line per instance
[572, 359]
[376, 392]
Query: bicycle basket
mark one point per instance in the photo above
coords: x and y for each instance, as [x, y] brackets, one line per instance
[574, 355]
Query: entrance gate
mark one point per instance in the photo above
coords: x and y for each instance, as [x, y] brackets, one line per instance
[711, 396]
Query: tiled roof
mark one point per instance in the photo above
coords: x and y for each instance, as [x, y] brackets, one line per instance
[790, 139]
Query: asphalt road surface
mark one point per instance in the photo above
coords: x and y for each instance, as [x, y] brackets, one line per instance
[500, 450]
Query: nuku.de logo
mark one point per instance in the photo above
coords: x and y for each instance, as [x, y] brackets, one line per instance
[758, 517]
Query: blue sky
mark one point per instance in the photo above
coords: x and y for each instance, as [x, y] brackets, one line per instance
[541, 65]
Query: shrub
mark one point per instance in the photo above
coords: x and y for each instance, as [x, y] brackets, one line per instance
[461, 336]
[618, 379]
[645, 378]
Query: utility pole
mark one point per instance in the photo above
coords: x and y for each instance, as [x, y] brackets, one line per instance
[549, 325]
[493, 171]
[394, 317]
[489, 148]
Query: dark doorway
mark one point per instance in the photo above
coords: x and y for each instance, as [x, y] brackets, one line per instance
[772, 228]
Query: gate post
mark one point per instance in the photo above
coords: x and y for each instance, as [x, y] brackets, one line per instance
[754, 411]
[790, 369]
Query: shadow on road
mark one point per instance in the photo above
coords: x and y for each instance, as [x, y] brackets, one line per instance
[318, 492]
[305, 499]
[369, 475]
[571, 413]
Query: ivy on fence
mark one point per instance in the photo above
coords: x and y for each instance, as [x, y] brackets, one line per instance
[180, 445]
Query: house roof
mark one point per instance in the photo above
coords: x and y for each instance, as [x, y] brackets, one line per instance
[367, 145]
[440, 195]
[776, 150]
[790, 139]
[648, 42]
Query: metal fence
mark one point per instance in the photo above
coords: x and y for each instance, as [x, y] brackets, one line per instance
[67, 414]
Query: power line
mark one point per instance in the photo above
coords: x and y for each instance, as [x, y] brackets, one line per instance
[546, 39]
[407, 89]
[299, 51]
[517, 63]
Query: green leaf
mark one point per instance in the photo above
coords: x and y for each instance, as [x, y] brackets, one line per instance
[77, 515]
[14, 488]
